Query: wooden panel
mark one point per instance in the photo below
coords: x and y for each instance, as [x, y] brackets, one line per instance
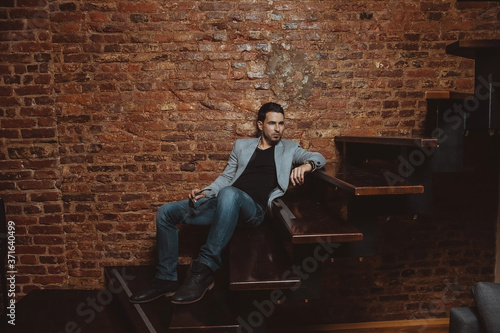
[467, 48]
[359, 181]
[389, 140]
[258, 261]
[446, 94]
[307, 221]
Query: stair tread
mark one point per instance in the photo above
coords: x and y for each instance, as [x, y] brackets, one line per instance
[467, 48]
[361, 181]
[309, 221]
[446, 94]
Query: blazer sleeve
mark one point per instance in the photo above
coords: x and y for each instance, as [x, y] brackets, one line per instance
[302, 156]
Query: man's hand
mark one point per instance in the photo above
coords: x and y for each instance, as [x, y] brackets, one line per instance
[196, 194]
[298, 173]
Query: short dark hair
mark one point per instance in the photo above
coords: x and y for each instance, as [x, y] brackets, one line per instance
[269, 107]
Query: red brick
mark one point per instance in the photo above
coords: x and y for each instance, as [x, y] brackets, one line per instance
[432, 6]
[30, 249]
[43, 79]
[422, 73]
[33, 47]
[11, 25]
[51, 260]
[18, 123]
[46, 196]
[67, 17]
[217, 6]
[31, 269]
[33, 90]
[28, 259]
[50, 219]
[49, 279]
[38, 133]
[9, 101]
[48, 209]
[137, 7]
[6, 91]
[48, 240]
[31, 3]
[4, 70]
[38, 185]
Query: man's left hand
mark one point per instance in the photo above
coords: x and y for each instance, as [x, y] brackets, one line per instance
[298, 174]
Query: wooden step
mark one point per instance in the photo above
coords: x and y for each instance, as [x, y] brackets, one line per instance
[431, 325]
[308, 221]
[360, 181]
[258, 261]
[446, 95]
[296, 316]
[212, 314]
[468, 48]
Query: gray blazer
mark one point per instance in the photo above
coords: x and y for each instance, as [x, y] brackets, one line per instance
[287, 154]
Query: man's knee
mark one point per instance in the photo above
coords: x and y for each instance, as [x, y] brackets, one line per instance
[164, 214]
[228, 191]
[228, 194]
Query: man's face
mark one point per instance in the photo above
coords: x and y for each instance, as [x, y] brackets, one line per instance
[272, 128]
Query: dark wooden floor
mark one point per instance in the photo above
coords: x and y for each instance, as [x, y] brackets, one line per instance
[55, 311]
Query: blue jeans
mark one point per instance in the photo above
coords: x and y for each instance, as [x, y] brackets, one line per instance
[230, 209]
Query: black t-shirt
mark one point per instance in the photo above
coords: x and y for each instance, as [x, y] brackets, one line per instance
[259, 177]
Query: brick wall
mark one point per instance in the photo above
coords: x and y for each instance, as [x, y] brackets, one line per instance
[111, 108]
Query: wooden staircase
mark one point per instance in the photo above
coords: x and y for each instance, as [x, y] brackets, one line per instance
[333, 215]
[280, 261]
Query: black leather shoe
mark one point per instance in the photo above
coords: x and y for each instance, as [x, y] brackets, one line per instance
[156, 289]
[198, 281]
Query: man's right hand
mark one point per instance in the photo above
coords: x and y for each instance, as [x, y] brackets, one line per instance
[196, 194]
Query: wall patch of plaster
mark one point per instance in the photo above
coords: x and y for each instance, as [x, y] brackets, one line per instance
[290, 75]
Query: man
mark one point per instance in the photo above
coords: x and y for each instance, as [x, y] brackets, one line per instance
[258, 171]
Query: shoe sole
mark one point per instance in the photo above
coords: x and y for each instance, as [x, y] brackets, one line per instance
[196, 300]
[152, 299]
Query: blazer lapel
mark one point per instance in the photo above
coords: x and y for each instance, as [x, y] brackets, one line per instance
[246, 153]
[281, 170]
